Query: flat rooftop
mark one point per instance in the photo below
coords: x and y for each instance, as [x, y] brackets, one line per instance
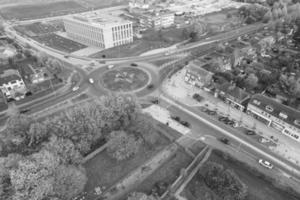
[99, 19]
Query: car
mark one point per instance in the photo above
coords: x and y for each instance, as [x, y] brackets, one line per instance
[75, 88]
[197, 97]
[224, 140]
[176, 118]
[185, 123]
[66, 56]
[223, 119]
[91, 80]
[211, 112]
[250, 132]
[230, 122]
[110, 66]
[134, 64]
[24, 111]
[150, 86]
[155, 101]
[265, 163]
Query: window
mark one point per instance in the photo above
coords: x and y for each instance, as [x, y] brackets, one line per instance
[256, 102]
[283, 115]
[269, 108]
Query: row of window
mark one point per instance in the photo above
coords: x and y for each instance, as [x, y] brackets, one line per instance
[121, 27]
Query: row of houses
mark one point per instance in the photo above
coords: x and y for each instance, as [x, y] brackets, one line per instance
[265, 109]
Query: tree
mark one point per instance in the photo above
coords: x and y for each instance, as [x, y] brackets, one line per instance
[193, 36]
[65, 149]
[140, 196]
[251, 81]
[123, 145]
[37, 133]
[54, 66]
[69, 181]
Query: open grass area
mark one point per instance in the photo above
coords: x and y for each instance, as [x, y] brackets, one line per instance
[60, 43]
[104, 4]
[102, 170]
[258, 188]
[167, 173]
[152, 39]
[39, 28]
[35, 11]
[124, 79]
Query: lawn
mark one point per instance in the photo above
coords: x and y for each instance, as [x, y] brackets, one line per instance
[35, 11]
[102, 170]
[60, 43]
[152, 39]
[167, 173]
[258, 188]
[38, 28]
[103, 4]
[124, 79]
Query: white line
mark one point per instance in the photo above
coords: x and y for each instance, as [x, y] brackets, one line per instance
[275, 160]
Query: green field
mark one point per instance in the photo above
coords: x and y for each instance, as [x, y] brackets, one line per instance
[36, 11]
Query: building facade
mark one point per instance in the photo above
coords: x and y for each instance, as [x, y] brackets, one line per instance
[196, 75]
[101, 32]
[276, 115]
[157, 20]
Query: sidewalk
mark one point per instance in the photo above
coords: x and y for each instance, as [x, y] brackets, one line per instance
[177, 88]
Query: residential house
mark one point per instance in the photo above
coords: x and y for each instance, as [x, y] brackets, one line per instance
[6, 53]
[196, 75]
[233, 95]
[12, 84]
[224, 60]
[276, 115]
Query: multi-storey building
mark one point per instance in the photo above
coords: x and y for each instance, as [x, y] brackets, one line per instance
[276, 115]
[157, 20]
[94, 30]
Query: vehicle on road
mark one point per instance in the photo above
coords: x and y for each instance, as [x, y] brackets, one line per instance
[150, 86]
[91, 80]
[224, 140]
[211, 112]
[250, 132]
[66, 56]
[134, 64]
[197, 97]
[110, 66]
[223, 119]
[75, 88]
[24, 111]
[155, 101]
[265, 163]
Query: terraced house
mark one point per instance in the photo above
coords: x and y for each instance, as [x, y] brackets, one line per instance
[276, 115]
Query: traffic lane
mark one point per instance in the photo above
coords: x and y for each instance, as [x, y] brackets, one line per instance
[233, 132]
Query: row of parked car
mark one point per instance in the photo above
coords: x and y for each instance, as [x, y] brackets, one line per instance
[184, 123]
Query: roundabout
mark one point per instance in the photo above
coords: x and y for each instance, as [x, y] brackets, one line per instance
[125, 79]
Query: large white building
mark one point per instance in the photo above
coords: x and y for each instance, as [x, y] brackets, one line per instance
[101, 31]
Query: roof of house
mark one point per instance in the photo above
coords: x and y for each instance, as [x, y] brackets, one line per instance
[196, 67]
[293, 114]
[233, 92]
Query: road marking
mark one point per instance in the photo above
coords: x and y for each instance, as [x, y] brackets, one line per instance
[274, 159]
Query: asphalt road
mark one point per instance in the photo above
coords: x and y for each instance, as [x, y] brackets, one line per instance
[203, 126]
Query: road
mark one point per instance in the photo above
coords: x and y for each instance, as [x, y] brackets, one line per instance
[206, 128]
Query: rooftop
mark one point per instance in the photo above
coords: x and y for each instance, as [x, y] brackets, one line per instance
[293, 116]
[9, 75]
[99, 19]
[196, 67]
[235, 93]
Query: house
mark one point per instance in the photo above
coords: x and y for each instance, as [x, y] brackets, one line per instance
[196, 75]
[12, 85]
[157, 20]
[6, 53]
[224, 60]
[275, 115]
[233, 95]
[38, 76]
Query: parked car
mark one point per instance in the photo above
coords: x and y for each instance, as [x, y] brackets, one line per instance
[134, 64]
[203, 109]
[176, 118]
[224, 140]
[110, 66]
[211, 112]
[185, 123]
[75, 88]
[250, 132]
[91, 80]
[155, 101]
[197, 97]
[223, 119]
[265, 163]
